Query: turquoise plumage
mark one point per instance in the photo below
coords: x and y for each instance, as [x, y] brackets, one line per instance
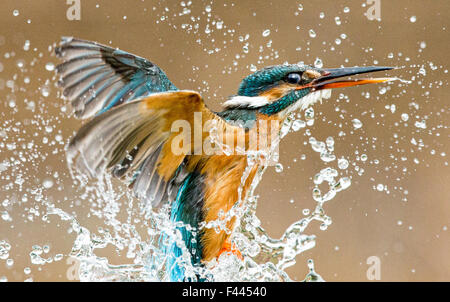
[190, 214]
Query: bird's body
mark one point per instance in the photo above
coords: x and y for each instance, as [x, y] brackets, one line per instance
[134, 134]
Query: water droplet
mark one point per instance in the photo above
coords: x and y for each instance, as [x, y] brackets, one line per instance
[309, 116]
[327, 157]
[422, 124]
[312, 33]
[20, 63]
[5, 216]
[337, 20]
[330, 143]
[279, 168]
[26, 46]
[343, 183]
[342, 163]
[298, 124]
[37, 249]
[266, 33]
[12, 103]
[50, 66]
[47, 183]
[422, 71]
[318, 63]
[45, 91]
[405, 117]
[357, 123]
[46, 249]
[5, 247]
[393, 108]
[15, 13]
[413, 19]
[380, 187]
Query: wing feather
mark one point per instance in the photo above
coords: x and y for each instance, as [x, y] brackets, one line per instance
[133, 105]
[124, 76]
[133, 141]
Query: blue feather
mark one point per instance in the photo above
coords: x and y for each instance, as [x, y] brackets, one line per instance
[90, 68]
[187, 208]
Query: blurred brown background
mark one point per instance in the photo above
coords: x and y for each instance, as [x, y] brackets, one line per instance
[405, 224]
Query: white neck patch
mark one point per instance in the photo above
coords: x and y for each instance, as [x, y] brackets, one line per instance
[239, 101]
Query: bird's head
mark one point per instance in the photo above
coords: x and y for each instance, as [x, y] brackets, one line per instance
[284, 88]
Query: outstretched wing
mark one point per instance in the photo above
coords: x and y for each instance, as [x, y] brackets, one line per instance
[96, 78]
[134, 141]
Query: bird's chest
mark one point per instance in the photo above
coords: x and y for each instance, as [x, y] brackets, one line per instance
[227, 179]
[222, 184]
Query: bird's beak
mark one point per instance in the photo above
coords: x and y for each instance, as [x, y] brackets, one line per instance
[331, 77]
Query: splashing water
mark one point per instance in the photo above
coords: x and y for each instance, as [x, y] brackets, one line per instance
[132, 229]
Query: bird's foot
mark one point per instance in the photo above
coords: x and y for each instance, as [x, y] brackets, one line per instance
[227, 247]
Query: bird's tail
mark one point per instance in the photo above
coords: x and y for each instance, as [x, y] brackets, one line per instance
[186, 210]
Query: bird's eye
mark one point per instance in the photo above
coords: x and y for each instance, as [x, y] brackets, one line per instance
[293, 78]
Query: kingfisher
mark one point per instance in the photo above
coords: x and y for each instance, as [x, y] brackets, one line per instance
[132, 107]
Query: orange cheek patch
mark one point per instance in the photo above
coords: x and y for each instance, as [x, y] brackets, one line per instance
[278, 91]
